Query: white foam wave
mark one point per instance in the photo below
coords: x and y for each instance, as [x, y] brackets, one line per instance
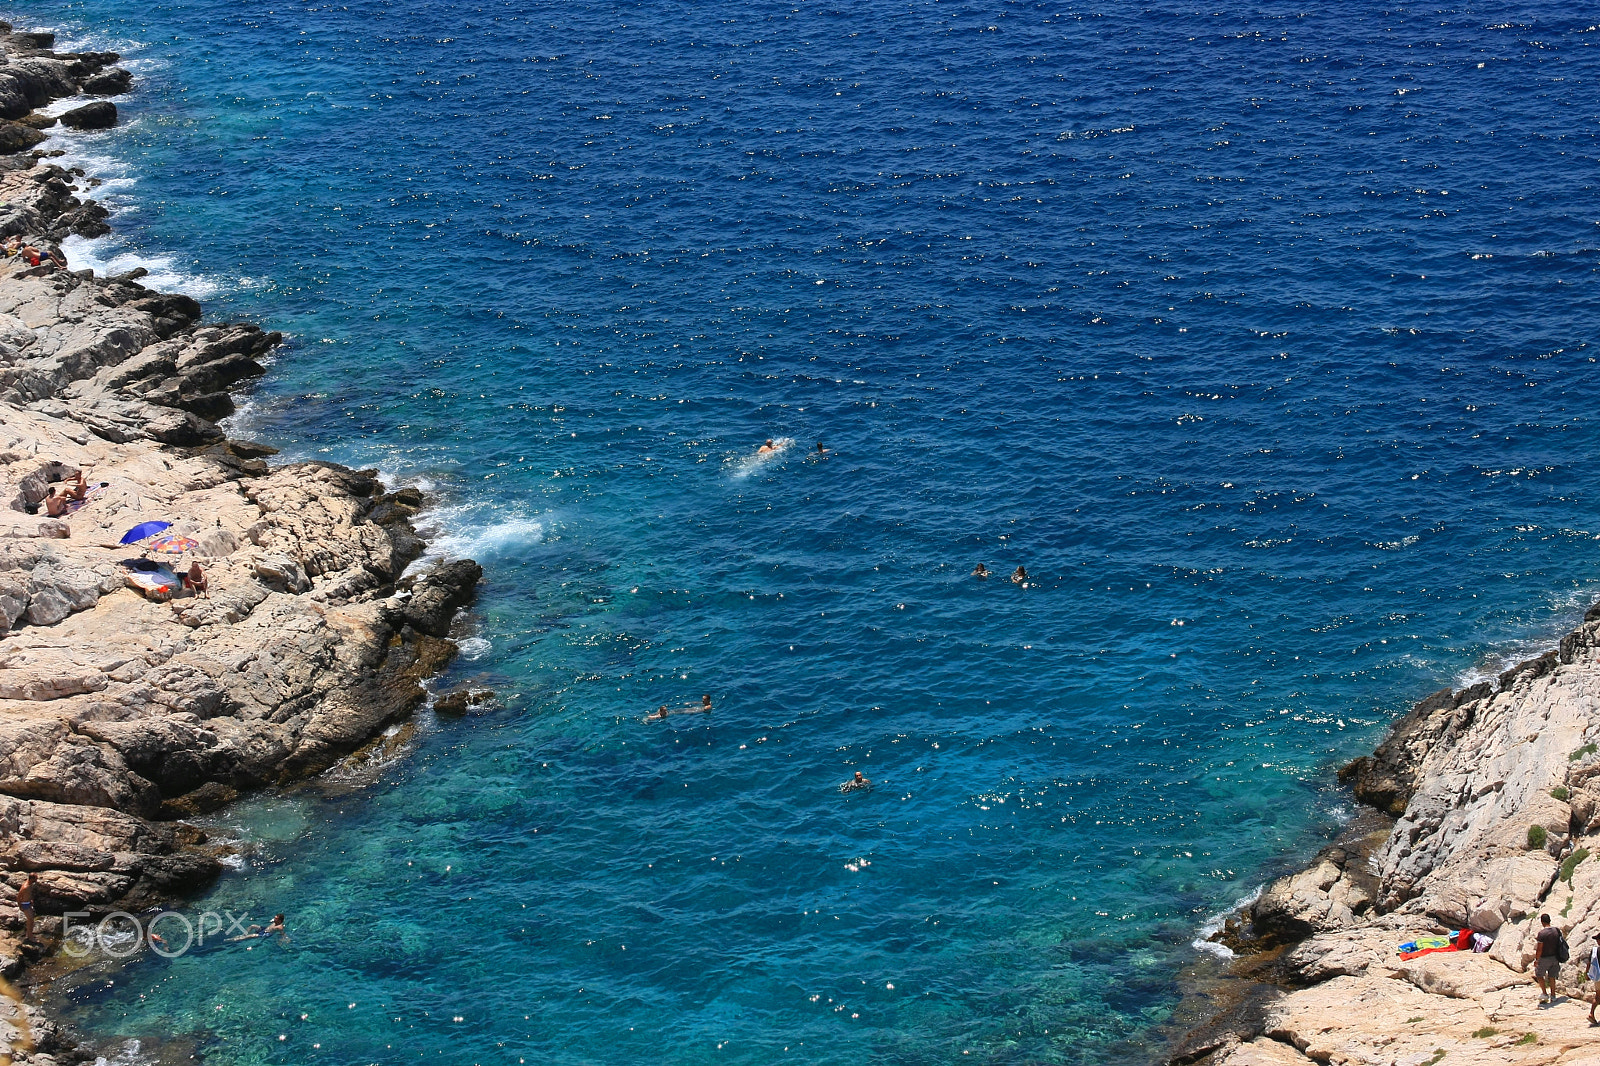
[478, 531]
[474, 648]
[127, 1055]
[106, 256]
[744, 466]
[1213, 925]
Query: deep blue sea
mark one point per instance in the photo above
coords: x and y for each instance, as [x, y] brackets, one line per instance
[1264, 340]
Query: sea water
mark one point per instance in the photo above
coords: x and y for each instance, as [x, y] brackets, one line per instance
[1265, 341]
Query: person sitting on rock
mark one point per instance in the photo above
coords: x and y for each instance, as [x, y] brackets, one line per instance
[54, 506]
[195, 581]
[31, 254]
[12, 246]
[75, 488]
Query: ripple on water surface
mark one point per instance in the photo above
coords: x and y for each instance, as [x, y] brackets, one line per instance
[1262, 341]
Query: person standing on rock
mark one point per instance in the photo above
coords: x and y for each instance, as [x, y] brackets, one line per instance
[25, 902]
[1593, 973]
[1546, 960]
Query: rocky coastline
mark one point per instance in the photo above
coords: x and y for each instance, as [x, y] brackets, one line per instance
[1482, 808]
[123, 715]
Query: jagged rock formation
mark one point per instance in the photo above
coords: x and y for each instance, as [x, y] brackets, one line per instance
[120, 715]
[1496, 790]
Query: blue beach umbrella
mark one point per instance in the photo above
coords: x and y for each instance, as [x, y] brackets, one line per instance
[143, 530]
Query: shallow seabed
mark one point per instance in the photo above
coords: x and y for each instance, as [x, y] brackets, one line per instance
[1265, 341]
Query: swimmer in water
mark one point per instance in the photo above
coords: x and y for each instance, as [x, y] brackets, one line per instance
[705, 702]
[1020, 577]
[661, 712]
[767, 449]
[858, 781]
[821, 450]
[980, 571]
[257, 931]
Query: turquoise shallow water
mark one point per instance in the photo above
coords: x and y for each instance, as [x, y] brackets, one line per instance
[1264, 341]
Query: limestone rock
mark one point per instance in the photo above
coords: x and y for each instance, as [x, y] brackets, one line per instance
[436, 597]
[100, 115]
[111, 82]
[17, 137]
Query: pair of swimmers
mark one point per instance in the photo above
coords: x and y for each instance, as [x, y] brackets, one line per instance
[1019, 576]
[703, 707]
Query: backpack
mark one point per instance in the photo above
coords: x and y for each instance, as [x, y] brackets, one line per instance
[1563, 953]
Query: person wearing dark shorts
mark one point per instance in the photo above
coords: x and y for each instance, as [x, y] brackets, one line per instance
[1546, 959]
[25, 898]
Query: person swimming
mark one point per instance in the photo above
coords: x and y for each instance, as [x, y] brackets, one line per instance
[661, 712]
[821, 450]
[256, 932]
[1019, 577]
[980, 571]
[703, 707]
[858, 781]
[767, 449]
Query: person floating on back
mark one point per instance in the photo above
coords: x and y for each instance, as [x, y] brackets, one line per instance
[259, 931]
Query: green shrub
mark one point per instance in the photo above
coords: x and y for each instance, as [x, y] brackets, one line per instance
[1438, 1053]
[1587, 749]
[1571, 862]
[1486, 1032]
[1536, 836]
[1418, 1018]
[1568, 908]
[1527, 1038]
[1560, 792]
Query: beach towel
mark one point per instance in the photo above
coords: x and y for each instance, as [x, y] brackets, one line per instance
[157, 582]
[1427, 945]
[73, 505]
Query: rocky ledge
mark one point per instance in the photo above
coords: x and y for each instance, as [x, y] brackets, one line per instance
[121, 715]
[1484, 807]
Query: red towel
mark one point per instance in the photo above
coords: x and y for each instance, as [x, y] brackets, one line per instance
[1407, 956]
